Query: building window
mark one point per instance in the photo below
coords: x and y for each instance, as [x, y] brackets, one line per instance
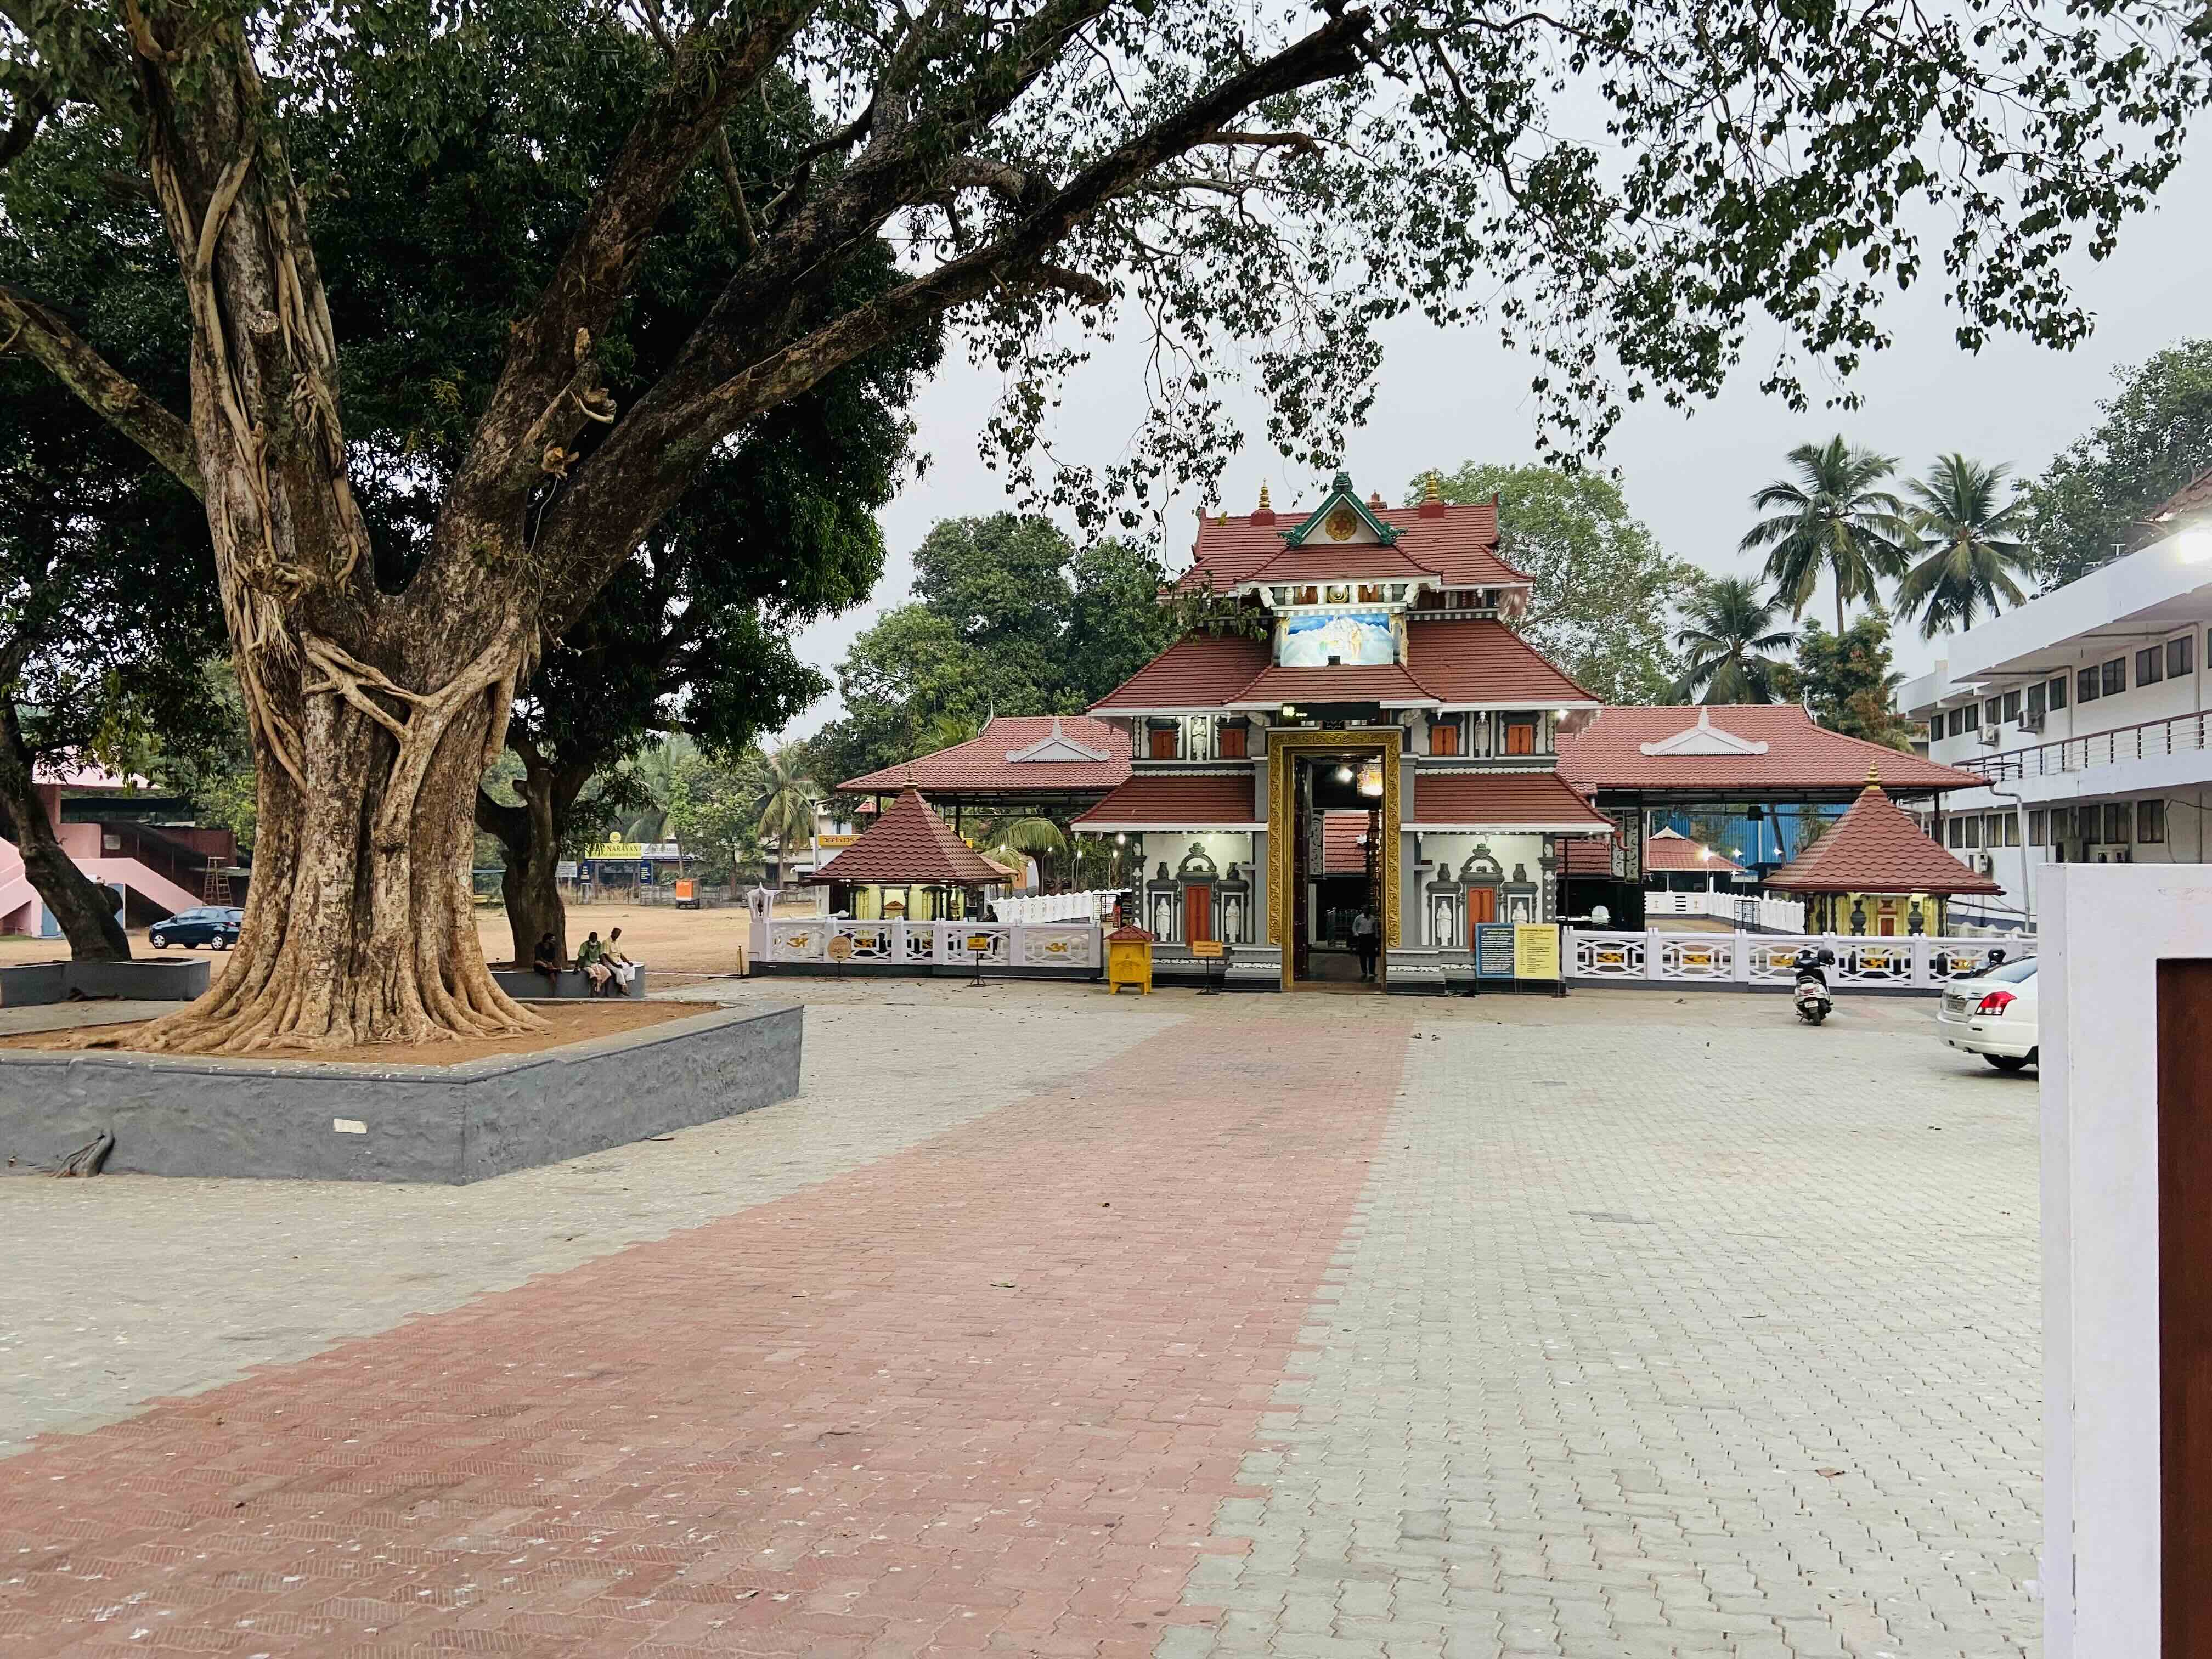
[2058, 692]
[1162, 742]
[1520, 737]
[2003, 830]
[1973, 712]
[1958, 832]
[2180, 656]
[2150, 821]
[1443, 738]
[2116, 677]
[2035, 701]
[2085, 685]
[2062, 825]
[1957, 720]
[1993, 712]
[1232, 743]
[2011, 707]
[1973, 829]
[2037, 828]
[2118, 822]
[2150, 666]
[1936, 729]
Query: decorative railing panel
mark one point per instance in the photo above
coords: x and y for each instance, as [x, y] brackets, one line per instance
[1607, 956]
[1916, 963]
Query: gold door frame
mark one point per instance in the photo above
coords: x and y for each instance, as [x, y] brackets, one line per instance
[1388, 741]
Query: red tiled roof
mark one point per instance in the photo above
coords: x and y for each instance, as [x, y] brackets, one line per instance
[1801, 753]
[1501, 800]
[1344, 843]
[1384, 682]
[1876, 847]
[1670, 854]
[980, 763]
[1199, 671]
[1460, 545]
[1201, 802]
[909, 843]
[1326, 562]
[1588, 855]
[1485, 662]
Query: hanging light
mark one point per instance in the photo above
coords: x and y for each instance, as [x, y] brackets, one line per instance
[1344, 775]
[1370, 778]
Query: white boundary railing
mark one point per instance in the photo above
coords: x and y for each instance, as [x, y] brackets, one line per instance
[919, 945]
[1916, 963]
[1089, 905]
[1773, 914]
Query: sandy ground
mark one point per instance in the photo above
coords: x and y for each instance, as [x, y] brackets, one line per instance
[574, 1021]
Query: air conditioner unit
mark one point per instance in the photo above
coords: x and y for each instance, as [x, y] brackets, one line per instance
[2032, 722]
[1990, 736]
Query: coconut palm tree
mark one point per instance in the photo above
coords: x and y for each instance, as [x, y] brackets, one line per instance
[1832, 517]
[787, 798]
[1966, 519]
[1032, 837]
[1729, 640]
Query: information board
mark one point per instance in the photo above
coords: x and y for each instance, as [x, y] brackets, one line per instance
[1206, 947]
[1493, 950]
[1536, 951]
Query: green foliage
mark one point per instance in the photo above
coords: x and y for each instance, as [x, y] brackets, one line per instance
[2153, 438]
[1846, 680]
[788, 800]
[1605, 590]
[714, 809]
[1007, 618]
[1967, 523]
[1833, 518]
[215, 765]
[1729, 640]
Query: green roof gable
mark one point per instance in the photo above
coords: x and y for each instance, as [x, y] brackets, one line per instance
[1340, 492]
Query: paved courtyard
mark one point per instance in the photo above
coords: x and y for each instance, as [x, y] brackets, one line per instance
[1043, 1323]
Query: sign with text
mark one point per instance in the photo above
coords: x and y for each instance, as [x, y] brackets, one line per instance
[980, 944]
[1206, 947]
[1536, 951]
[1493, 950]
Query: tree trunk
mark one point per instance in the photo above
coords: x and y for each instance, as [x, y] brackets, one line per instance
[78, 902]
[534, 905]
[359, 925]
[531, 836]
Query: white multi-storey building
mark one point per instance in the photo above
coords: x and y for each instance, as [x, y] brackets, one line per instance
[2086, 710]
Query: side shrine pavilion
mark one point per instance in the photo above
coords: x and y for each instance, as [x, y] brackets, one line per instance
[1876, 874]
[1366, 730]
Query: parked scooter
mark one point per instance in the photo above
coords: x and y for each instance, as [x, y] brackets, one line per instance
[1813, 997]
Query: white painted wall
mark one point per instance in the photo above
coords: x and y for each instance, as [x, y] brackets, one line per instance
[2105, 929]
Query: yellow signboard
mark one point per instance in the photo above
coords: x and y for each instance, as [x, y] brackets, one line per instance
[1536, 951]
[835, 840]
[617, 849]
[1206, 947]
[980, 944]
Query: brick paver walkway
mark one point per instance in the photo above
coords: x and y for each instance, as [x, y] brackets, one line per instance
[989, 1391]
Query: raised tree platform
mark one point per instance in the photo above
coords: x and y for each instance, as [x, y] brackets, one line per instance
[383, 1120]
[157, 979]
[525, 985]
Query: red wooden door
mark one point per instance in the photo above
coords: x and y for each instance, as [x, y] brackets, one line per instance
[1482, 907]
[1197, 913]
[1164, 745]
[2184, 1305]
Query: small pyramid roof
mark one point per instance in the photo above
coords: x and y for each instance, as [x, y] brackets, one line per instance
[909, 842]
[1876, 847]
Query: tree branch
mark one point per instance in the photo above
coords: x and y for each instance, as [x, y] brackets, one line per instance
[119, 400]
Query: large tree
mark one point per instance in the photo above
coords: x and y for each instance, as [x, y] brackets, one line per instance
[2090, 505]
[1605, 590]
[1730, 643]
[1263, 184]
[1847, 681]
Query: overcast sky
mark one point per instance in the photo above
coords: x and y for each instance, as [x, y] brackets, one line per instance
[1448, 397]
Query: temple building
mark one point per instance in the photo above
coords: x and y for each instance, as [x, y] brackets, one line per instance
[909, 866]
[1877, 874]
[1365, 729]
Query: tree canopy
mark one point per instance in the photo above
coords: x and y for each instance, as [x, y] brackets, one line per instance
[1731, 641]
[1835, 517]
[2154, 436]
[1260, 186]
[1966, 523]
[1605, 591]
[1847, 681]
[1007, 618]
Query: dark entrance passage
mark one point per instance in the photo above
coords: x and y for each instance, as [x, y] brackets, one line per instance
[1336, 870]
[2184, 1306]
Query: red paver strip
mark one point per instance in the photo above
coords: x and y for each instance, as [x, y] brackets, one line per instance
[984, 1394]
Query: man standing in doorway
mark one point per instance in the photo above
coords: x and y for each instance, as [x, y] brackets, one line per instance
[1366, 935]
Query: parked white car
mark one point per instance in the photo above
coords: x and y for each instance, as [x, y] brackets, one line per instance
[1993, 1015]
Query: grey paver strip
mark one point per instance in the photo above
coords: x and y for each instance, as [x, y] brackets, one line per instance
[126, 1288]
[1703, 1339]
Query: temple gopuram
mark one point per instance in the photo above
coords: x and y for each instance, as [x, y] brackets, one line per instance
[1364, 730]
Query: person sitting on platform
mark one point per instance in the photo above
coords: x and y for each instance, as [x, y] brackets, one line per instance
[546, 960]
[589, 957]
[621, 966]
[1366, 935]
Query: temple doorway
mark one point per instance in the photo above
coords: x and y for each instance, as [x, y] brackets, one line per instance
[1336, 873]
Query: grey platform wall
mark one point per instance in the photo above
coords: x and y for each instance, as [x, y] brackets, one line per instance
[197, 1116]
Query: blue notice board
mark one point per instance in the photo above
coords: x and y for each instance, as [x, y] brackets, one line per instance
[1493, 950]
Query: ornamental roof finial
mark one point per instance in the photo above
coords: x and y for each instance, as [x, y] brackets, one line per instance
[1432, 492]
[1263, 498]
[1874, 776]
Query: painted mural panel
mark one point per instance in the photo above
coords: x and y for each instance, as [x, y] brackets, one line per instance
[1356, 638]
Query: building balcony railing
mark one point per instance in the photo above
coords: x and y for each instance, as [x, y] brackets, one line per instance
[2178, 734]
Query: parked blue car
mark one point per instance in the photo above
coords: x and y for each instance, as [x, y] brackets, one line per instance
[217, 926]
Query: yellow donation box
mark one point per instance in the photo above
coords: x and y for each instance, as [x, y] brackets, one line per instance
[1129, 960]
